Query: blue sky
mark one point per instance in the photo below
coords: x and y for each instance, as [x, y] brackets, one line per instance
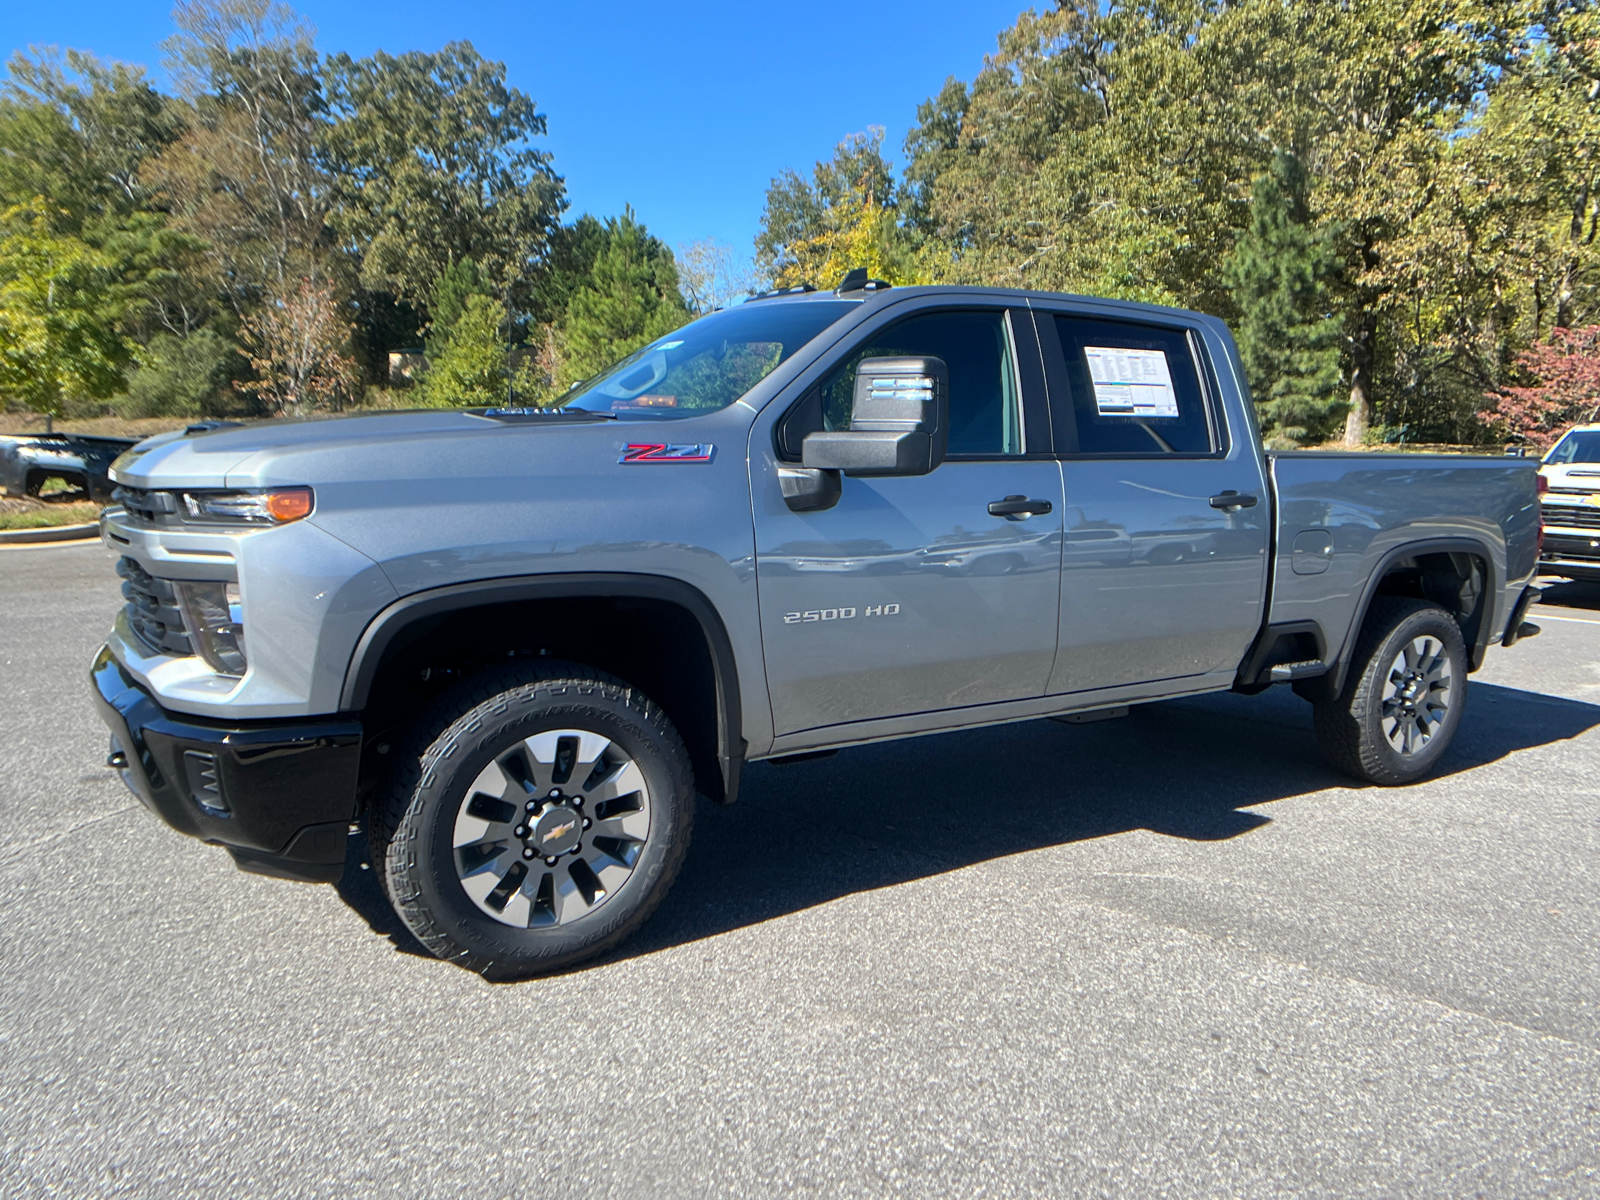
[685, 111]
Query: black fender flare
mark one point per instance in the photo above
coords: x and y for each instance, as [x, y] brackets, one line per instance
[382, 630]
[1334, 679]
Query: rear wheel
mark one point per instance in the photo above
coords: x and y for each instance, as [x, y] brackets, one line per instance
[541, 826]
[1403, 698]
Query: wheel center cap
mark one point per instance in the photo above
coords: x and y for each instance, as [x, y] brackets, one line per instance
[557, 831]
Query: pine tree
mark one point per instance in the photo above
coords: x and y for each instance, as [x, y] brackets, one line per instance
[456, 285]
[471, 371]
[631, 297]
[1289, 337]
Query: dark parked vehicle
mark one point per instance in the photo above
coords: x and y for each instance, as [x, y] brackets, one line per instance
[29, 461]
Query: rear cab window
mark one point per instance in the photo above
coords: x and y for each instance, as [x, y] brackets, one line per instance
[1126, 389]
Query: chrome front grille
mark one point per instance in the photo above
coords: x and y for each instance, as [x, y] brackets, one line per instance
[152, 610]
[1570, 516]
[146, 505]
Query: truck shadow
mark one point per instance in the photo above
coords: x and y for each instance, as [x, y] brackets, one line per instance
[1569, 593]
[875, 816]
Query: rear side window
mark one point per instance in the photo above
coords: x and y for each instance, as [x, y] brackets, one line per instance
[1134, 389]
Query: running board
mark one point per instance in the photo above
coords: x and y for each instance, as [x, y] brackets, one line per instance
[1287, 672]
[1093, 714]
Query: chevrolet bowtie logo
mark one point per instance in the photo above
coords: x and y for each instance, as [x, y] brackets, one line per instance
[560, 830]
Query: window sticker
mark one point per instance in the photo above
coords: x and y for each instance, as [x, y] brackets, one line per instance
[1131, 383]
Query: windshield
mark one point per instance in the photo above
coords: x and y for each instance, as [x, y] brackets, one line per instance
[709, 363]
[1577, 448]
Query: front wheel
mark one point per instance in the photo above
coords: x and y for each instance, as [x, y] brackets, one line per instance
[1403, 698]
[541, 827]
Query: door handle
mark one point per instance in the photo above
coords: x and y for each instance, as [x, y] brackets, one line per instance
[1231, 501]
[1018, 506]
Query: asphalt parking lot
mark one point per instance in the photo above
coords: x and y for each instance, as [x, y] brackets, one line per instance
[1168, 955]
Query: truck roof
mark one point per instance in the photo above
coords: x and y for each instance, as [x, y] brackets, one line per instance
[876, 288]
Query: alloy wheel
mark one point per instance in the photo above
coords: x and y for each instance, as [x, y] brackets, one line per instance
[1416, 694]
[551, 828]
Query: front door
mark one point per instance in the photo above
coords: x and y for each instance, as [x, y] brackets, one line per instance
[908, 596]
[1161, 577]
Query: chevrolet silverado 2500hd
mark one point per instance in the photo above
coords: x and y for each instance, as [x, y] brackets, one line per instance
[518, 643]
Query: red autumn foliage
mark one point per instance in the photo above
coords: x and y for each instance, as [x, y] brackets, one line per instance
[1567, 393]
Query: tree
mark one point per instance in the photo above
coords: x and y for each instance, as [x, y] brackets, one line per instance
[711, 277]
[631, 297]
[433, 162]
[1288, 336]
[845, 217]
[456, 285]
[79, 129]
[472, 370]
[566, 267]
[1565, 391]
[297, 344]
[79, 132]
[182, 376]
[61, 308]
[1109, 146]
[245, 178]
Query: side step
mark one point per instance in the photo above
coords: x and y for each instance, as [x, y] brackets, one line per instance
[1094, 714]
[787, 760]
[1286, 672]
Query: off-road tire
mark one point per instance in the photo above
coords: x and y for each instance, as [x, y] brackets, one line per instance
[1349, 728]
[411, 819]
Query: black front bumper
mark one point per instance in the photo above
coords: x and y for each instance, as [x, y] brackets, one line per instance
[280, 795]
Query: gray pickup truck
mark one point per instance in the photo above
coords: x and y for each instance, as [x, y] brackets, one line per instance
[517, 644]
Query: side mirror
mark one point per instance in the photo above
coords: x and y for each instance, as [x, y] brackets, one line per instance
[899, 421]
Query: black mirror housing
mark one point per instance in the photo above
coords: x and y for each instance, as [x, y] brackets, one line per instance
[899, 421]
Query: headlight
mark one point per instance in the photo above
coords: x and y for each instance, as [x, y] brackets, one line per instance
[275, 507]
[216, 624]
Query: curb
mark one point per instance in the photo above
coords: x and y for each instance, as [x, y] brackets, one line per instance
[57, 533]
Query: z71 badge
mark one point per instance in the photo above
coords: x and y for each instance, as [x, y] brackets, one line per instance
[661, 452]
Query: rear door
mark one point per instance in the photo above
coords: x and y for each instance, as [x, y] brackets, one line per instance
[908, 595]
[1167, 520]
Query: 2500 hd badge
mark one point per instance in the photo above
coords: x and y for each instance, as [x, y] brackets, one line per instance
[840, 614]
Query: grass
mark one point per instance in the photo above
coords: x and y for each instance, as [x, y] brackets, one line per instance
[34, 514]
[142, 427]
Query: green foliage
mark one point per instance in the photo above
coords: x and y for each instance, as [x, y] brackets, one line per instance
[77, 129]
[573, 249]
[432, 163]
[315, 212]
[182, 376]
[845, 217]
[456, 285]
[629, 297]
[61, 311]
[472, 371]
[1449, 151]
[1288, 336]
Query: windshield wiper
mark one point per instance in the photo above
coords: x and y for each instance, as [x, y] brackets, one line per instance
[517, 414]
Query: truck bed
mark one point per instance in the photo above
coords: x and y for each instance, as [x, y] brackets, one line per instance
[1376, 508]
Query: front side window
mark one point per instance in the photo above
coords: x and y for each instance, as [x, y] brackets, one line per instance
[1135, 390]
[1579, 446]
[976, 349]
[709, 363]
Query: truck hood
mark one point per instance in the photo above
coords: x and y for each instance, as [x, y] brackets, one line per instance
[1577, 477]
[213, 457]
